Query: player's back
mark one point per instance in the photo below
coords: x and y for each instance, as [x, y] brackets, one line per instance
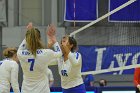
[34, 70]
[33, 67]
[34, 76]
[6, 67]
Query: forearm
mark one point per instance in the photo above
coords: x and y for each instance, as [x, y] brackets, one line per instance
[58, 52]
[56, 47]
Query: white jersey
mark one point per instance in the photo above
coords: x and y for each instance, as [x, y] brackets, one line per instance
[9, 74]
[70, 70]
[34, 68]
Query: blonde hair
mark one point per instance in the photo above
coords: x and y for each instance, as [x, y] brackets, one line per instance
[33, 40]
[9, 52]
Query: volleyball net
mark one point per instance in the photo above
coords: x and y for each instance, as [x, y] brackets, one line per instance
[115, 34]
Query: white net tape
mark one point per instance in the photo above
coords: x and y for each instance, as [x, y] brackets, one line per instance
[111, 69]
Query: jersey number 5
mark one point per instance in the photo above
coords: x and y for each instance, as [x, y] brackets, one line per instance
[32, 61]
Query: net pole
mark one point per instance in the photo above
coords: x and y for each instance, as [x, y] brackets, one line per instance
[103, 17]
[74, 12]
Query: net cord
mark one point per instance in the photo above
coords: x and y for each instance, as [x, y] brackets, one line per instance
[111, 69]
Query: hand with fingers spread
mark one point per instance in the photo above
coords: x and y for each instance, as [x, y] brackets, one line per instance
[51, 33]
[52, 30]
[29, 26]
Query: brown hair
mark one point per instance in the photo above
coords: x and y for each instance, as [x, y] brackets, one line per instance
[73, 41]
[33, 39]
[9, 52]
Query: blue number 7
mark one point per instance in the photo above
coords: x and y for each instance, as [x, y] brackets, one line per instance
[32, 64]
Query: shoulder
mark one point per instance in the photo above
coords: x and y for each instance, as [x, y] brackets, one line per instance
[10, 63]
[14, 63]
[75, 54]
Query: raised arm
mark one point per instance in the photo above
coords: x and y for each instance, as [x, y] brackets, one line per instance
[22, 45]
[57, 49]
[51, 35]
[21, 48]
[57, 54]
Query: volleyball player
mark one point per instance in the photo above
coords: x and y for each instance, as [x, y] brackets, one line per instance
[9, 71]
[137, 79]
[70, 67]
[34, 59]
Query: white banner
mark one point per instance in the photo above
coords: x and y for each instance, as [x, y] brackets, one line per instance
[2, 11]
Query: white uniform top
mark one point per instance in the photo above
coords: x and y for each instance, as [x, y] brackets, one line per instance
[50, 75]
[9, 74]
[34, 69]
[70, 70]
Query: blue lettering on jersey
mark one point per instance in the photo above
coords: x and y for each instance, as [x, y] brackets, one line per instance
[1, 62]
[64, 72]
[25, 53]
[39, 51]
[77, 55]
[57, 48]
[23, 45]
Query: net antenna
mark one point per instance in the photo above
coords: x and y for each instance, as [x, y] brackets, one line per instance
[103, 17]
